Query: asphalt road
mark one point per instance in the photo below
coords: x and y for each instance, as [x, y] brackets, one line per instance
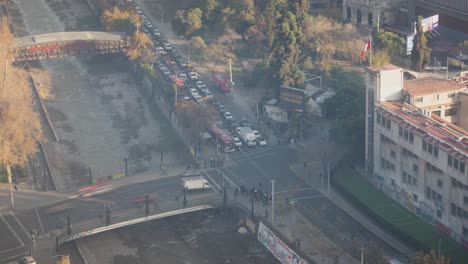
[89, 212]
[257, 167]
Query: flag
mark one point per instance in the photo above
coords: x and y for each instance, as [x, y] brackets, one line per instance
[367, 47]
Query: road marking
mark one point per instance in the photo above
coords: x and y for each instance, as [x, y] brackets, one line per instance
[11, 229]
[40, 222]
[307, 197]
[227, 178]
[20, 224]
[235, 175]
[11, 249]
[16, 256]
[207, 175]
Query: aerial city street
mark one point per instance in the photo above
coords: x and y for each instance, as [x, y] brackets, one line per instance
[233, 131]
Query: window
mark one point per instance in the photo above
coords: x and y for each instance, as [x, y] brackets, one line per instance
[418, 100]
[414, 181]
[415, 168]
[437, 113]
[439, 214]
[404, 177]
[392, 154]
[424, 145]
[415, 197]
[400, 131]
[462, 167]
[450, 160]
[465, 232]
[433, 195]
[450, 95]
[439, 183]
[431, 148]
[428, 193]
[465, 199]
[437, 97]
[439, 197]
[435, 152]
[411, 137]
[406, 135]
[456, 164]
[454, 182]
[453, 209]
[450, 112]
[389, 124]
[379, 118]
[459, 211]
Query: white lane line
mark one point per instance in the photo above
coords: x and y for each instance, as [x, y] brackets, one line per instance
[215, 183]
[233, 185]
[13, 231]
[40, 221]
[11, 249]
[16, 256]
[237, 176]
[20, 224]
[308, 197]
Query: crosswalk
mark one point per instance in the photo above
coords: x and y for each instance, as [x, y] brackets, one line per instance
[15, 240]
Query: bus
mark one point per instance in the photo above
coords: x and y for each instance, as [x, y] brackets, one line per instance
[223, 139]
[222, 81]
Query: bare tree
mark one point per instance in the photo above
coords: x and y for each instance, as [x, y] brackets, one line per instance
[429, 258]
[21, 126]
[196, 117]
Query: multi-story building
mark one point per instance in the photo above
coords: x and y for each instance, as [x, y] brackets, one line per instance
[438, 96]
[416, 157]
[367, 12]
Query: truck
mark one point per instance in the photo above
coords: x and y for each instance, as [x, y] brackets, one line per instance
[195, 183]
[247, 135]
[223, 82]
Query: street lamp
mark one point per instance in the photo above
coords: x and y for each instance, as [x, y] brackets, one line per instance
[273, 202]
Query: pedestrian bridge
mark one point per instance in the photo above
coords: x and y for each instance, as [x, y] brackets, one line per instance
[64, 44]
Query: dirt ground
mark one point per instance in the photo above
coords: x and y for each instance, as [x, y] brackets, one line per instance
[202, 237]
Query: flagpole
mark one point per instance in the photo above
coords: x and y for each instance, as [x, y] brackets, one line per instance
[370, 51]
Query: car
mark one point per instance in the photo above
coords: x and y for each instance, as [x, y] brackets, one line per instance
[146, 31]
[228, 115]
[193, 90]
[199, 84]
[221, 108]
[27, 260]
[166, 71]
[193, 76]
[186, 98]
[159, 49]
[237, 142]
[257, 134]
[183, 76]
[167, 46]
[261, 141]
[208, 94]
[149, 25]
[156, 32]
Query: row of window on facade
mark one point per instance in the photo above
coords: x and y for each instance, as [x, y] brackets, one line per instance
[370, 17]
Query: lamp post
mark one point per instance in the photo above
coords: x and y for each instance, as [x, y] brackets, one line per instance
[273, 202]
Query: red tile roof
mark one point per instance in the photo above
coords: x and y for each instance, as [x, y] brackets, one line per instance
[430, 85]
[449, 136]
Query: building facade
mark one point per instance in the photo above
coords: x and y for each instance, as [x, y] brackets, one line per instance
[416, 157]
[367, 12]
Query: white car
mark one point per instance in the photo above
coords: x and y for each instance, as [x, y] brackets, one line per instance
[166, 71]
[237, 142]
[257, 134]
[193, 90]
[149, 26]
[199, 84]
[183, 76]
[261, 141]
[193, 76]
[156, 32]
[160, 49]
[167, 46]
[227, 115]
[208, 94]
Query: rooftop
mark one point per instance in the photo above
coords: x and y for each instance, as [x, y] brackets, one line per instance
[430, 85]
[447, 135]
[387, 67]
[67, 36]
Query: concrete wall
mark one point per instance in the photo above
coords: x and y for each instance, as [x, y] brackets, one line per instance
[463, 110]
[391, 85]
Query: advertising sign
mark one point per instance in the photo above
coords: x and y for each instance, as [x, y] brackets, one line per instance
[292, 99]
[428, 23]
[409, 44]
[280, 250]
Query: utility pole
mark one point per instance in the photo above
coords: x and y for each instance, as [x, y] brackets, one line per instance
[44, 178]
[184, 202]
[273, 202]
[328, 176]
[146, 204]
[293, 204]
[90, 175]
[69, 229]
[224, 191]
[126, 166]
[108, 212]
[189, 51]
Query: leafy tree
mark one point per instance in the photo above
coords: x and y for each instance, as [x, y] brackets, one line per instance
[300, 8]
[178, 23]
[390, 42]
[196, 118]
[285, 61]
[63, 260]
[21, 125]
[208, 7]
[421, 54]
[199, 48]
[308, 63]
[193, 21]
[429, 258]
[346, 107]
[140, 44]
[246, 20]
[380, 57]
[121, 21]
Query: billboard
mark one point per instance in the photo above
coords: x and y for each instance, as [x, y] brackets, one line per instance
[409, 44]
[280, 250]
[292, 99]
[428, 23]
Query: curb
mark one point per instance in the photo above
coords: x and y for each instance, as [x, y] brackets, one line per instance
[43, 109]
[41, 147]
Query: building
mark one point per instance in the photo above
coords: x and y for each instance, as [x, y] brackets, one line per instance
[438, 96]
[452, 13]
[414, 156]
[367, 12]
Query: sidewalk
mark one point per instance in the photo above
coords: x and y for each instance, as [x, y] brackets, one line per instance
[335, 197]
[317, 246]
